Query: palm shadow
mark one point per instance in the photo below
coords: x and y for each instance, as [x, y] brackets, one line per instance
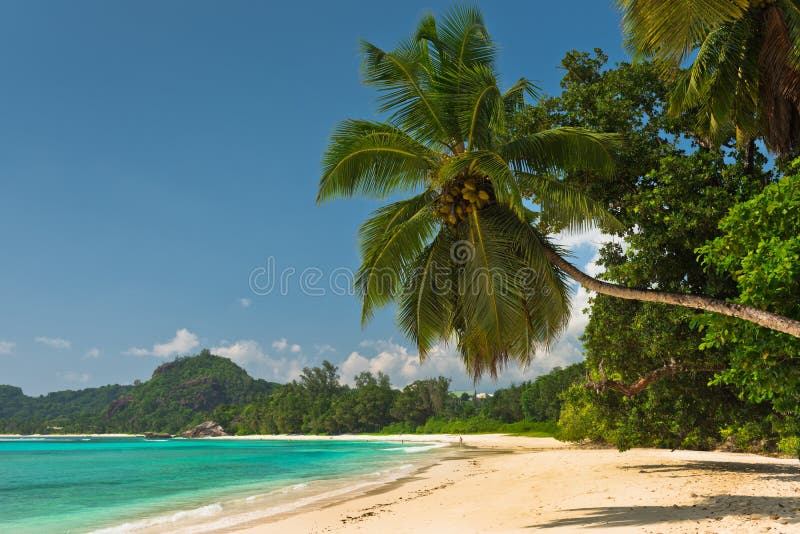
[783, 509]
[784, 472]
[714, 507]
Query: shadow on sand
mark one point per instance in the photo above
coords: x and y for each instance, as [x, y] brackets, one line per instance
[785, 510]
[789, 472]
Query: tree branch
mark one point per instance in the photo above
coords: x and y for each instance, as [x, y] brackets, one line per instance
[731, 309]
[629, 390]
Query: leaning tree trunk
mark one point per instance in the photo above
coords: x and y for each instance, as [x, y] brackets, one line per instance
[731, 309]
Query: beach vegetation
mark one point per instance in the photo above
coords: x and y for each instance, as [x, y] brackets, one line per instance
[659, 375]
[470, 257]
[744, 56]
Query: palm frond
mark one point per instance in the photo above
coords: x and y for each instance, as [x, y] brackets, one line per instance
[479, 107]
[670, 29]
[491, 297]
[426, 305]
[721, 86]
[547, 293]
[790, 10]
[780, 80]
[514, 97]
[568, 206]
[403, 83]
[513, 302]
[463, 35]
[562, 149]
[390, 241]
[374, 159]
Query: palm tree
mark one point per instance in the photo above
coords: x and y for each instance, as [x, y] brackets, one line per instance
[745, 76]
[464, 257]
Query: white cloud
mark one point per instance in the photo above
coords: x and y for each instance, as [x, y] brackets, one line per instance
[54, 342]
[7, 347]
[94, 352]
[241, 352]
[282, 344]
[244, 303]
[249, 354]
[183, 342]
[402, 364]
[592, 237]
[593, 268]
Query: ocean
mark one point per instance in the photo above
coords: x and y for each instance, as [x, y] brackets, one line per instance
[76, 485]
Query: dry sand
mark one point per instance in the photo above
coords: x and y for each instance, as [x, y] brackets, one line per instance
[516, 484]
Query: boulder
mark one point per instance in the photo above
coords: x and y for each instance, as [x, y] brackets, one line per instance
[209, 429]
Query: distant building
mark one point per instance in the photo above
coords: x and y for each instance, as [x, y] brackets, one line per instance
[460, 394]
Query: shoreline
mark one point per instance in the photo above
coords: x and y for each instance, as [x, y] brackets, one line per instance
[500, 483]
[503, 483]
[259, 506]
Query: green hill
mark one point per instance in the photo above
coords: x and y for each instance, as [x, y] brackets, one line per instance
[184, 392]
[67, 411]
[181, 393]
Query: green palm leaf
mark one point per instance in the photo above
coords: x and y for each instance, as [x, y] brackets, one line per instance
[390, 241]
[671, 29]
[464, 37]
[426, 305]
[374, 159]
[514, 97]
[561, 149]
[745, 77]
[574, 210]
[403, 82]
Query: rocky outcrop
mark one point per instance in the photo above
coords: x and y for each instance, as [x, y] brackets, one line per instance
[209, 429]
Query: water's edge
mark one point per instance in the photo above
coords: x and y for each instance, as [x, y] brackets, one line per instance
[275, 504]
[120, 484]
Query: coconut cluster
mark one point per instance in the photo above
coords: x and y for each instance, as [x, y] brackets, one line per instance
[463, 196]
[761, 4]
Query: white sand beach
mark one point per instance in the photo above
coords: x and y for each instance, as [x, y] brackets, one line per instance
[497, 483]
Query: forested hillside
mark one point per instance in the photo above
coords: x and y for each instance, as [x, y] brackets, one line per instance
[180, 393]
[189, 390]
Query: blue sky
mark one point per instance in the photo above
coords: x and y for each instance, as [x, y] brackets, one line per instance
[153, 154]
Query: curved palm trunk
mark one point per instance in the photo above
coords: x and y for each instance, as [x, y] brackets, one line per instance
[731, 309]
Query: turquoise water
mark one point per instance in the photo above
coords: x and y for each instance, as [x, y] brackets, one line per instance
[80, 484]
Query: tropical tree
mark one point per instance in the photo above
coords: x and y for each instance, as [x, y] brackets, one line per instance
[745, 73]
[464, 257]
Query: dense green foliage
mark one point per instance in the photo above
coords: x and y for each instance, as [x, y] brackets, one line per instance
[543, 398]
[744, 60]
[670, 195]
[66, 411]
[180, 394]
[317, 403]
[760, 248]
[184, 392]
[190, 390]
